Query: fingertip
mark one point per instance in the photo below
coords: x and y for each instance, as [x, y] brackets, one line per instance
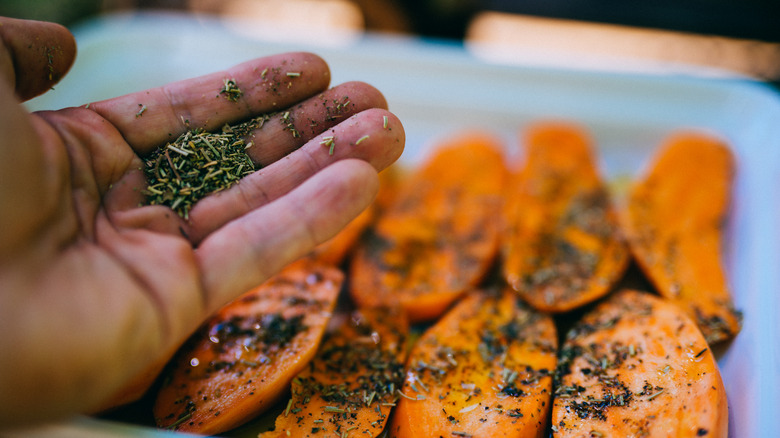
[359, 173]
[316, 60]
[313, 69]
[380, 134]
[346, 188]
[393, 138]
[397, 141]
[363, 95]
[41, 54]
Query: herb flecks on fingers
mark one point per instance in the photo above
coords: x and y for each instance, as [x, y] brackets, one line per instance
[231, 91]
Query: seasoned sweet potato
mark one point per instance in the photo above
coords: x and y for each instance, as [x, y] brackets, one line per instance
[674, 218]
[483, 370]
[439, 236]
[350, 386]
[242, 360]
[563, 246]
[637, 366]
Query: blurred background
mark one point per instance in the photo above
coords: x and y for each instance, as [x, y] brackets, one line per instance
[736, 35]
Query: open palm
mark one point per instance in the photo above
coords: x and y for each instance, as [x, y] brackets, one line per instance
[96, 289]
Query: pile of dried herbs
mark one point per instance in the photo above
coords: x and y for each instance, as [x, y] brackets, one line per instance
[197, 164]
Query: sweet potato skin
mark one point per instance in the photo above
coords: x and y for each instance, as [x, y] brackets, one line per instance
[674, 218]
[483, 370]
[563, 247]
[637, 365]
[440, 235]
[242, 360]
[349, 387]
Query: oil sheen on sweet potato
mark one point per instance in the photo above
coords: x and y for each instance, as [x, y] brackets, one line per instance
[563, 246]
[242, 360]
[637, 366]
[439, 236]
[674, 218]
[483, 370]
[350, 386]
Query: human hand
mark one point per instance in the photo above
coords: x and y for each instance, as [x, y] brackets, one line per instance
[94, 287]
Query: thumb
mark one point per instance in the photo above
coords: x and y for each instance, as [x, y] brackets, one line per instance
[34, 55]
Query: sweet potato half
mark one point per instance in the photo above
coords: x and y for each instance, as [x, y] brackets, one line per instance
[674, 219]
[483, 370]
[563, 247]
[637, 365]
[350, 386]
[242, 360]
[439, 236]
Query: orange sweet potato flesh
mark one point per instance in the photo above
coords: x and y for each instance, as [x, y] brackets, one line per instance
[674, 218]
[637, 365]
[242, 361]
[483, 370]
[350, 386]
[563, 246]
[439, 236]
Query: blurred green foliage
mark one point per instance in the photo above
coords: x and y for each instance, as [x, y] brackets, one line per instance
[65, 12]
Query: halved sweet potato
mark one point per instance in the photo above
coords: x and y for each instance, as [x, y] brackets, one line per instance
[440, 235]
[637, 366]
[563, 246]
[483, 370]
[674, 218]
[242, 360]
[350, 387]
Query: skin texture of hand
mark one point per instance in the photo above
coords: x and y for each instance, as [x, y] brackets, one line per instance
[94, 288]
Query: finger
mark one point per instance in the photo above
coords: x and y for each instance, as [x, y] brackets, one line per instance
[375, 136]
[34, 55]
[289, 130]
[149, 118]
[33, 175]
[247, 251]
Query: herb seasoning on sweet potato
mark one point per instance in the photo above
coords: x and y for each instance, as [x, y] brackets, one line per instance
[242, 360]
[439, 236]
[563, 247]
[637, 365]
[674, 220]
[483, 370]
[350, 386]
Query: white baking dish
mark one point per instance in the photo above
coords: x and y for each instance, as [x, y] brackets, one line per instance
[437, 89]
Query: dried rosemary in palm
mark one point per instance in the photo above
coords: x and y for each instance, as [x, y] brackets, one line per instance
[197, 164]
